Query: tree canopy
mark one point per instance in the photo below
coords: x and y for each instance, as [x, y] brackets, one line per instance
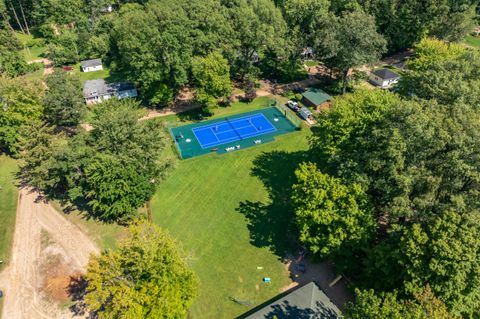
[146, 277]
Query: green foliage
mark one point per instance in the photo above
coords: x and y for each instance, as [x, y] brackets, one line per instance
[146, 277]
[20, 105]
[404, 23]
[212, 77]
[348, 41]
[370, 305]
[447, 73]
[12, 62]
[63, 49]
[429, 52]
[64, 104]
[334, 219]
[445, 254]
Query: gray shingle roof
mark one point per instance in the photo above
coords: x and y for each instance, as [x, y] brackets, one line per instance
[306, 302]
[91, 63]
[386, 74]
[99, 87]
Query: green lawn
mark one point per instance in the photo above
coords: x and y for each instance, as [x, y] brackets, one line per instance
[311, 63]
[220, 209]
[472, 41]
[34, 48]
[84, 76]
[8, 206]
[229, 213]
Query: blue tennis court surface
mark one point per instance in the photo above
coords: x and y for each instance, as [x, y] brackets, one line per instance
[232, 130]
[232, 133]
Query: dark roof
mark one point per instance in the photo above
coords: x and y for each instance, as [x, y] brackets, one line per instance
[306, 302]
[386, 74]
[316, 96]
[90, 63]
[99, 87]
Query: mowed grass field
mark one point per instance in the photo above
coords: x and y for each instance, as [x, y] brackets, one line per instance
[220, 211]
[472, 41]
[8, 206]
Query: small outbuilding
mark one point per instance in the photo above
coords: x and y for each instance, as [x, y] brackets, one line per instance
[316, 98]
[384, 78]
[91, 65]
[306, 114]
[95, 91]
[308, 301]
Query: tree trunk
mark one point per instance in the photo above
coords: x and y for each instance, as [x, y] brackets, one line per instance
[23, 15]
[16, 17]
[345, 80]
[5, 18]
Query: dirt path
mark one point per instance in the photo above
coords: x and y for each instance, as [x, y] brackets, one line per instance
[47, 65]
[24, 279]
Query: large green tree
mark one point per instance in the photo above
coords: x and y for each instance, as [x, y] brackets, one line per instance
[212, 78]
[146, 277]
[334, 219]
[348, 41]
[64, 104]
[20, 105]
[12, 61]
[370, 305]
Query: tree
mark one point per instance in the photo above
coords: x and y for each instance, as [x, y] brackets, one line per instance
[124, 167]
[348, 41]
[20, 105]
[404, 23]
[146, 277]
[258, 26]
[444, 72]
[370, 305]
[445, 254]
[212, 77]
[334, 219]
[64, 104]
[12, 62]
[42, 153]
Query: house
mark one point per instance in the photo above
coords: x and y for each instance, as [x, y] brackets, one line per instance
[91, 65]
[384, 78]
[306, 302]
[95, 91]
[316, 98]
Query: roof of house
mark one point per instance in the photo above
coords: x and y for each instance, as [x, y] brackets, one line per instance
[99, 87]
[316, 96]
[91, 63]
[386, 74]
[306, 302]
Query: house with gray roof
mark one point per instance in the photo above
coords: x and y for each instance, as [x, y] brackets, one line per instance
[384, 78]
[95, 91]
[306, 302]
[91, 65]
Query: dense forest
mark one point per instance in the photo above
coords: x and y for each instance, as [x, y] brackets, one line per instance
[390, 190]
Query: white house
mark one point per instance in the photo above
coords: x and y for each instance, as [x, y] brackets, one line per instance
[384, 78]
[91, 65]
[95, 91]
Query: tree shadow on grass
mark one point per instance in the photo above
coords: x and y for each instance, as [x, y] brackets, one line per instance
[272, 225]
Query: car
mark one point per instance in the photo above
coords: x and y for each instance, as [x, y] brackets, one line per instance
[293, 105]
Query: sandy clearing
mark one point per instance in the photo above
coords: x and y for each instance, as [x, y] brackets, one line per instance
[22, 279]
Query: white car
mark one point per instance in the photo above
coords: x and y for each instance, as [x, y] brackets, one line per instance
[293, 105]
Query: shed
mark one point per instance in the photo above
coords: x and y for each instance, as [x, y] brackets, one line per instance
[316, 98]
[308, 301]
[384, 78]
[91, 65]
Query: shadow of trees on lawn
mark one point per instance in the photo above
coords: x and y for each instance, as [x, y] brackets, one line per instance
[272, 224]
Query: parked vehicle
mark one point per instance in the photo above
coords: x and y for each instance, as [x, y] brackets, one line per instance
[293, 105]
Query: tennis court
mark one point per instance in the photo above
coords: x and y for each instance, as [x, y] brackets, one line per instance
[232, 130]
[232, 133]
